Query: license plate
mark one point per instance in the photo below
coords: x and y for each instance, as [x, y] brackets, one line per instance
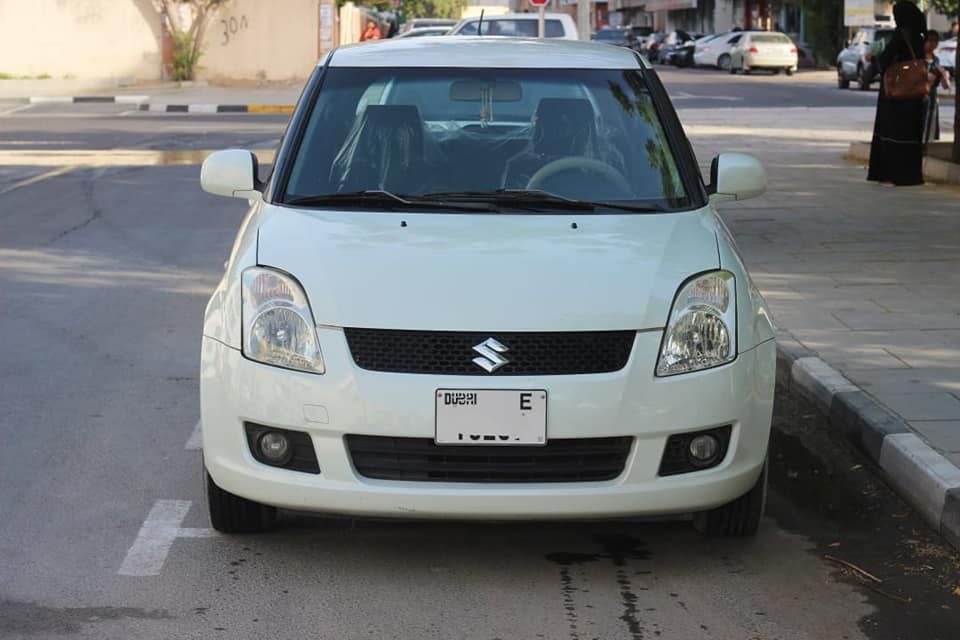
[491, 416]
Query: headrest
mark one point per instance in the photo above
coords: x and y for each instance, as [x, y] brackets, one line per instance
[563, 126]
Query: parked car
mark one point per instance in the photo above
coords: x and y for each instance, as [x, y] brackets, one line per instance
[424, 316]
[420, 32]
[947, 52]
[716, 52]
[418, 23]
[682, 56]
[518, 25]
[855, 63]
[642, 34]
[764, 50]
[670, 43]
[621, 36]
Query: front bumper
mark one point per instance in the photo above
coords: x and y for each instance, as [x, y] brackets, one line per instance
[349, 400]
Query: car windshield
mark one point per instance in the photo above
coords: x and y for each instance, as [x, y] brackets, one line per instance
[770, 38]
[580, 134]
[512, 27]
[610, 34]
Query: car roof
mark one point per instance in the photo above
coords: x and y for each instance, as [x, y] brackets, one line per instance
[516, 16]
[485, 51]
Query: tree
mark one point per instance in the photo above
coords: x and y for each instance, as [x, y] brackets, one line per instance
[952, 8]
[188, 38]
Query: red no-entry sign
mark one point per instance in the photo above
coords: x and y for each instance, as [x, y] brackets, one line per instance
[539, 3]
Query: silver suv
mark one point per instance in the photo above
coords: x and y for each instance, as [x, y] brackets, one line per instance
[854, 62]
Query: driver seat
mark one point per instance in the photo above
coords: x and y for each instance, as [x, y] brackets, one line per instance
[562, 127]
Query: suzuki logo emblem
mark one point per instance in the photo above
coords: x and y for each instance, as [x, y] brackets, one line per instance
[490, 359]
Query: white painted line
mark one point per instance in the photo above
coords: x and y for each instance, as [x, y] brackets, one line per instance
[202, 108]
[59, 171]
[131, 99]
[50, 99]
[159, 530]
[22, 107]
[196, 438]
[158, 107]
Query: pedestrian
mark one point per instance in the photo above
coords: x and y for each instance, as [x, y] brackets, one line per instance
[896, 152]
[937, 76]
[372, 32]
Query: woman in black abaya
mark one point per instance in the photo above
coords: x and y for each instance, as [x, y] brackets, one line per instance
[896, 154]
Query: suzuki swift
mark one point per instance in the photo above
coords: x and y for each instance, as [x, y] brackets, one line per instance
[485, 279]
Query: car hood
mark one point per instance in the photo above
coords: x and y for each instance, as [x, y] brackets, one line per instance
[479, 272]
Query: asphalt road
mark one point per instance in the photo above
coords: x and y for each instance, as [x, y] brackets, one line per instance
[104, 273]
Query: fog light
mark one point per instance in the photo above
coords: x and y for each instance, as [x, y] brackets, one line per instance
[276, 448]
[703, 448]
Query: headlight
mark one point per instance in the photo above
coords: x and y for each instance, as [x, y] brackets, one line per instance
[278, 327]
[702, 330]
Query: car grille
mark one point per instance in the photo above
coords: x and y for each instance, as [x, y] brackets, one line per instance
[451, 352]
[420, 459]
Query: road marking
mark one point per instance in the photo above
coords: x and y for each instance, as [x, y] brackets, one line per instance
[59, 171]
[683, 95]
[22, 107]
[196, 438]
[162, 526]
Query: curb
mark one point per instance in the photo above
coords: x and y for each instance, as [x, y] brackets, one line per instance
[125, 99]
[923, 477]
[143, 104]
[218, 108]
[934, 169]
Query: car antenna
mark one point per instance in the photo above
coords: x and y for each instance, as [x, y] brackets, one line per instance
[480, 24]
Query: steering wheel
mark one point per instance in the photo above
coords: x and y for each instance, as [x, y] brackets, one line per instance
[581, 163]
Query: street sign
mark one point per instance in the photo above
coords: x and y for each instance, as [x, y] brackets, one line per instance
[539, 3]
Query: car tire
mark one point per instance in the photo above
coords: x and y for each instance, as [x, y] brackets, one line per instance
[723, 63]
[233, 514]
[789, 71]
[863, 82]
[739, 518]
[842, 81]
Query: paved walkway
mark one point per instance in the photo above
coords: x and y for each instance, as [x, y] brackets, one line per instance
[867, 276]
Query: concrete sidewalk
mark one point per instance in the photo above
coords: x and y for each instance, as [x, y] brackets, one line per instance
[863, 282]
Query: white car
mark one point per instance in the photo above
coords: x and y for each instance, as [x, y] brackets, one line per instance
[947, 52]
[485, 279]
[421, 32]
[764, 50]
[518, 25]
[716, 52]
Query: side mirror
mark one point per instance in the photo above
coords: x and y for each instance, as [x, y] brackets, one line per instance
[736, 176]
[232, 173]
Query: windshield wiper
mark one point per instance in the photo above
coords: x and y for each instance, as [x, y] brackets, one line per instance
[539, 199]
[379, 199]
[523, 198]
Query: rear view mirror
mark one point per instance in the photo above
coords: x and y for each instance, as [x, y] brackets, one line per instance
[472, 91]
[232, 173]
[736, 176]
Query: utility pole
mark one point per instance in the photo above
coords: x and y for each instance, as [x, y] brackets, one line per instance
[583, 19]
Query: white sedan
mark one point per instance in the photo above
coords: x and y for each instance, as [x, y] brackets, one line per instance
[715, 52]
[771, 51]
[485, 279]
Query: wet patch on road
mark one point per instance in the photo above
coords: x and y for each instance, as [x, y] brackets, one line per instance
[823, 488]
[25, 618]
[618, 549]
